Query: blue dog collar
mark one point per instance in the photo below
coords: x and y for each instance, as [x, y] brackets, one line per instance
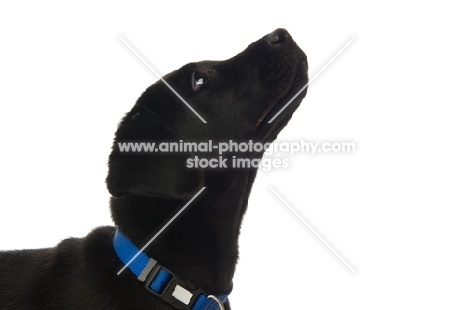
[162, 283]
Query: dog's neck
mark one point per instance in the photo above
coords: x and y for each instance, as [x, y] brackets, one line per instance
[201, 245]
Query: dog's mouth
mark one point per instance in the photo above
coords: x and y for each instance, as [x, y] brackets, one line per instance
[294, 93]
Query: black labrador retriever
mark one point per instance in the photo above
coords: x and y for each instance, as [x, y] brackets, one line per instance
[191, 264]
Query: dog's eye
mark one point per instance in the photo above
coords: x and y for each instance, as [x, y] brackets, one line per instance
[199, 79]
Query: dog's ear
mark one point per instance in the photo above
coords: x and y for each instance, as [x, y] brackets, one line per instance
[149, 173]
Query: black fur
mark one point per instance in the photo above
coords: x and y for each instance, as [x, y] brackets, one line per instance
[238, 97]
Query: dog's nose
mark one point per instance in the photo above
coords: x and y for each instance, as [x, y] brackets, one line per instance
[278, 36]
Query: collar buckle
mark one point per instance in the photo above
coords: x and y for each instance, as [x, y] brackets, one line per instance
[162, 283]
[178, 293]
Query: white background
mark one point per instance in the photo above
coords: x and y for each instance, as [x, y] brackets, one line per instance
[395, 209]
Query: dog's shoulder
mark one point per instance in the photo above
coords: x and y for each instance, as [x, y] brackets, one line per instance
[98, 244]
[45, 277]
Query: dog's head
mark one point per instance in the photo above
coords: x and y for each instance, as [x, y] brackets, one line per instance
[237, 97]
